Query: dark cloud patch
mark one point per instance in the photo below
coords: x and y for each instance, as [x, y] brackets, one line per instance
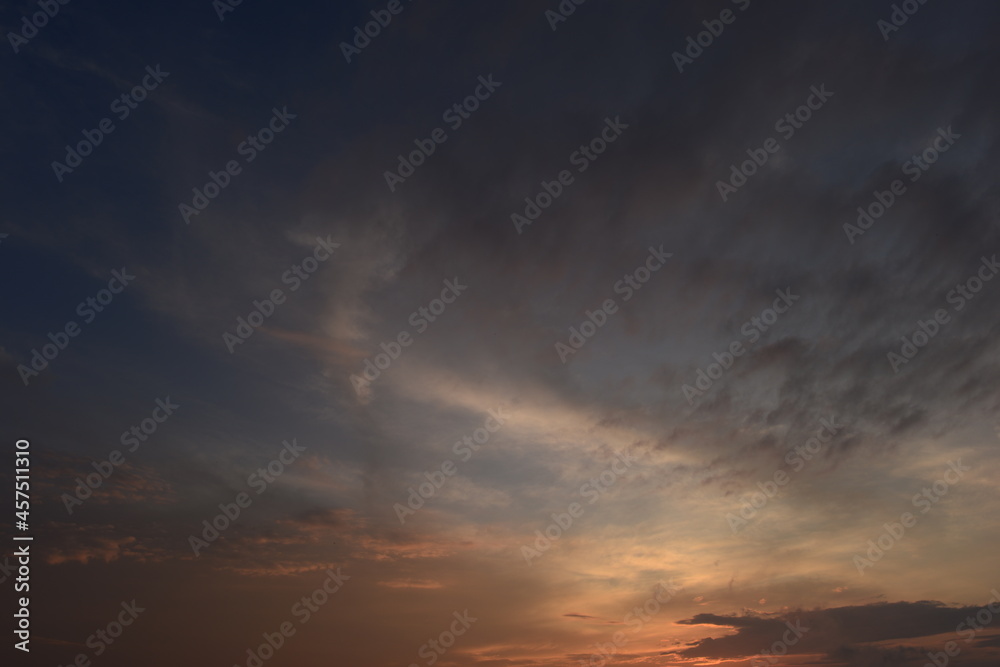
[843, 634]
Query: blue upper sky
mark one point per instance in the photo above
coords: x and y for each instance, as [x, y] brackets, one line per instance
[655, 379]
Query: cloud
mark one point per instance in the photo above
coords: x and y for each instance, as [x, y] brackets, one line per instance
[841, 633]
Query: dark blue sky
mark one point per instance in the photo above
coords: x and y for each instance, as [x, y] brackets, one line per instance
[709, 424]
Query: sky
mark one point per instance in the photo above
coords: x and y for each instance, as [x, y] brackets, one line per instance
[517, 334]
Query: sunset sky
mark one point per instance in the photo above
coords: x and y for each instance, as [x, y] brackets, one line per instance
[518, 334]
